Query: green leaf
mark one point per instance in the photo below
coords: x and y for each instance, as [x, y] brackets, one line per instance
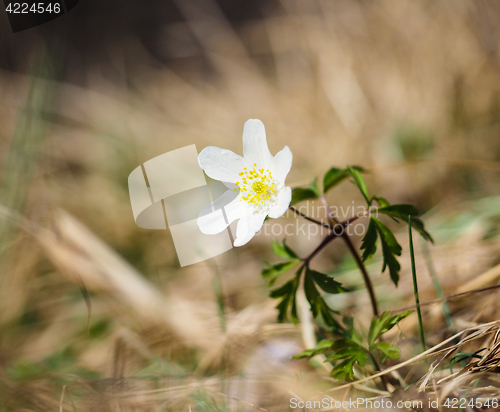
[319, 348]
[382, 201]
[333, 177]
[303, 193]
[401, 211]
[307, 353]
[345, 368]
[326, 314]
[283, 290]
[326, 283]
[388, 237]
[377, 326]
[395, 319]
[360, 182]
[383, 323]
[343, 343]
[283, 308]
[369, 243]
[336, 175]
[293, 312]
[311, 292]
[346, 353]
[283, 250]
[387, 351]
[323, 345]
[287, 292]
[390, 247]
[418, 225]
[273, 272]
[318, 305]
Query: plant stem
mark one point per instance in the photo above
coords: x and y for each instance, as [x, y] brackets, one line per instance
[333, 235]
[354, 252]
[378, 369]
[364, 272]
[298, 212]
[318, 249]
[415, 287]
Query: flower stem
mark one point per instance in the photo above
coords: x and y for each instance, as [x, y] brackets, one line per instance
[334, 224]
[357, 257]
[298, 212]
[364, 272]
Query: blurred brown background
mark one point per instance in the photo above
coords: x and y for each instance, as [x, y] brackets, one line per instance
[409, 90]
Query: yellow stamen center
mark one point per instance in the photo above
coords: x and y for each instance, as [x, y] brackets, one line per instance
[259, 187]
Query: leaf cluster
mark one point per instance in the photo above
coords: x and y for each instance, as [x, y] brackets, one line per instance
[346, 349]
[390, 247]
[313, 282]
[332, 177]
[350, 351]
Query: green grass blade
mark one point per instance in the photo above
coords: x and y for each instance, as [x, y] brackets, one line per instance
[415, 288]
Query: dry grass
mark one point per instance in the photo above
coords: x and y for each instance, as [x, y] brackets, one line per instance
[96, 314]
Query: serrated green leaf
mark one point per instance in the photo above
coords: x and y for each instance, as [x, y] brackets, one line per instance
[395, 319]
[273, 272]
[283, 290]
[283, 308]
[351, 335]
[360, 183]
[342, 343]
[326, 313]
[384, 323]
[382, 201]
[389, 238]
[319, 348]
[346, 367]
[387, 350]
[311, 292]
[307, 353]
[418, 225]
[347, 353]
[390, 247]
[401, 211]
[369, 243]
[325, 282]
[287, 292]
[283, 250]
[323, 345]
[293, 312]
[377, 326]
[317, 303]
[299, 194]
[303, 193]
[333, 177]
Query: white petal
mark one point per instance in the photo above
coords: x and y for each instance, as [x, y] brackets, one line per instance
[221, 164]
[282, 202]
[213, 222]
[255, 148]
[248, 227]
[282, 164]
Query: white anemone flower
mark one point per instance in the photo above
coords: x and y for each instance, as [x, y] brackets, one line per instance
[259, 179]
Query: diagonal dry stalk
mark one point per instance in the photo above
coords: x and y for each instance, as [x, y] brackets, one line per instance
[478, 332]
